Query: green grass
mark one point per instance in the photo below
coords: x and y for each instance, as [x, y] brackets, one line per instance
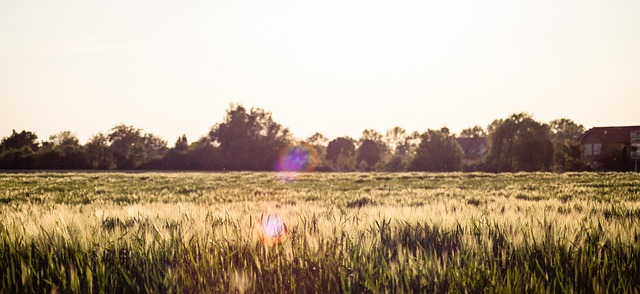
[348, 232]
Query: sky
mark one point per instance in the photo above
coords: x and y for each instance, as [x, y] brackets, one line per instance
[334, 67]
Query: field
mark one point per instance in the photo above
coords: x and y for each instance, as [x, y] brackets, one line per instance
[347, 232]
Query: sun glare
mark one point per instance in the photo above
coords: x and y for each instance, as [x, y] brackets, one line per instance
[272, 230]
[294, 159]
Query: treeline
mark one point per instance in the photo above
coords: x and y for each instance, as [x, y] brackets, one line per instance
[249, 139]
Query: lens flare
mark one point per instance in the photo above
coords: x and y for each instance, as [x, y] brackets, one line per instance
[294, 159]
[272, 230]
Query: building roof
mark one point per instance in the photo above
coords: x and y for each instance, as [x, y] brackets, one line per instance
[474, 147]
[611, 134]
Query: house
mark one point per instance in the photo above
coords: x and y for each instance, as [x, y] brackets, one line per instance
[618, 144]
[474, 148]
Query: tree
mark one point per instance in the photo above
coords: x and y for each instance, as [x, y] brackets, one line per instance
[565, 129]
[519, 143]
[132, 150]
[395, 138]
[566, 148]
[202, 155]
[97, 152]
[374, 155]
[126, 146]
[569, 156]
[473, 132]
[317, 139]
[63, 151]
[411, 143]
[368, 154]
[371, 134]
[438, 151]
[18, 151]
[154, 149]
[24, 139]
[337, 146]
[404, 150]
[319, 142]
[341, 154]
[249, 140]
[177, 158]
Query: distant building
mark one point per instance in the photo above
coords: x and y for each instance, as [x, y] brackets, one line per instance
[474, 148]
[620, 143]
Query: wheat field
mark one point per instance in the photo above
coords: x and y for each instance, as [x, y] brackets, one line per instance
[347, 232]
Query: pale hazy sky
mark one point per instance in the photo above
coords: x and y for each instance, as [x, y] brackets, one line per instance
[337, 67]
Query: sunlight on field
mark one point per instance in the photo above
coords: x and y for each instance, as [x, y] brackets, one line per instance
[346, 232]
[83, 224]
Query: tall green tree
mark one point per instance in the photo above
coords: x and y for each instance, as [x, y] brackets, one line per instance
[63, 151]
[126, 146]
[177, 158]
[24, 139]
[249, 140]
[203, 155]
[317, 139]
[372, 150]
[519, 143]
[97, 152]
[567, 150]
[131, 149]
[371, 134]
[438, 151]
[154, 149]
[395, 138]
[406, 145]
[368, 155]
[397, 141]
[319, 142]
[341, 154]
[473, 132]
[19, 150]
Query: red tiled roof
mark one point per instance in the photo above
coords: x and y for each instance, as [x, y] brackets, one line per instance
[611, 134]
